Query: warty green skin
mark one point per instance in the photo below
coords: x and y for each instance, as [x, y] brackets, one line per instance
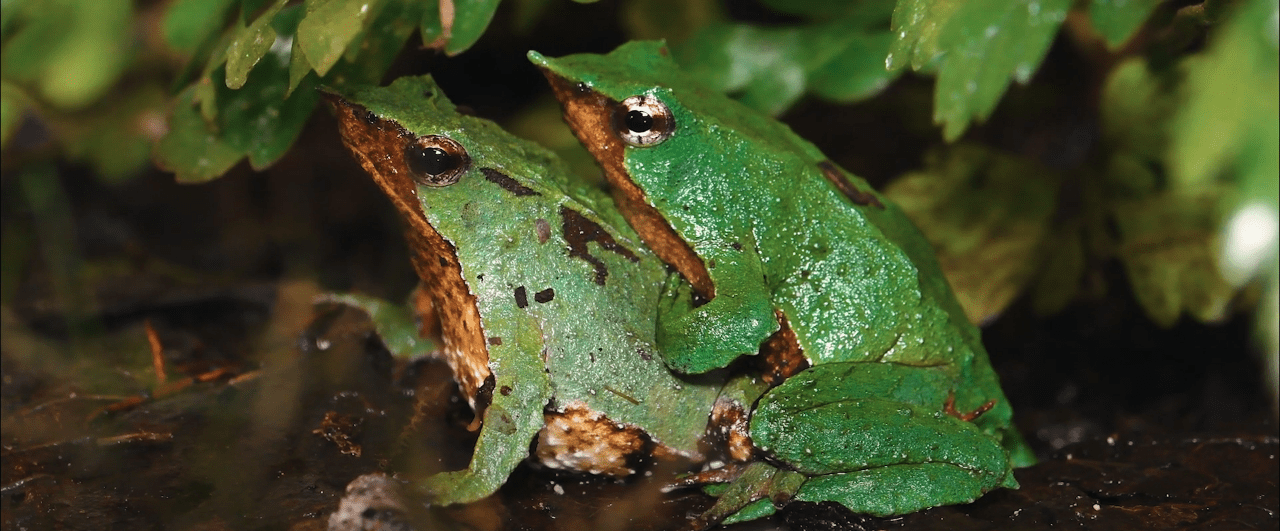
[592, 343]
[857, 282]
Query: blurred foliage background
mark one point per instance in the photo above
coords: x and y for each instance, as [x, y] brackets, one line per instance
[1035, 142]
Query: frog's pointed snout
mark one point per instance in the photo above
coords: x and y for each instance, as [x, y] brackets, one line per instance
[331, 95]
[539, 60]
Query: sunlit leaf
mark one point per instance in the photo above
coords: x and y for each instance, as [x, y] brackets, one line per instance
[917, 25]
[987, 215]
[379, 45]
[770, 68]
[988, 44]
[249, 45]
[330, 26]
[1116, 20]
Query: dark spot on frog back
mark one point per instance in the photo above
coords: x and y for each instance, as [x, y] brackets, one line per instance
[842, 183]
[522, 297]
[544, 296]
[506, 182]
[578, 231]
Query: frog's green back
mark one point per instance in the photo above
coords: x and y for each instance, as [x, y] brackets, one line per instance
[758, 176]
[534, 248]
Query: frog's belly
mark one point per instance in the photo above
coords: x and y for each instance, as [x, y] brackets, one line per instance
[583, 440]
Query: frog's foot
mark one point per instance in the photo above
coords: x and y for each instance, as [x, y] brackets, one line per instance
[401, 329]
[724, 474]
[950, 408]
[695, 338]
[756, 492]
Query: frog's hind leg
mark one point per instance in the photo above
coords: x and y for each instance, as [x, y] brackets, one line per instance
[754, 493]
[897, 489]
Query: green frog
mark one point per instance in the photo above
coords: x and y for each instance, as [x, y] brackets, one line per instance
[885, 400]
[545, 299]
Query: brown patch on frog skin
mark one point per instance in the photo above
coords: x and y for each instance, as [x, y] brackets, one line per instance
[424, 313]
[584, 440]
[543, 230]
[841, 182]
[590, 116]
[729, 428]
[781, 356]
[379, 146]
[522, 297]
[578, 231]
[506, 182]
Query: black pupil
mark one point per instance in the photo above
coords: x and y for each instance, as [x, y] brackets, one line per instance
[639, 121]
[433, 161]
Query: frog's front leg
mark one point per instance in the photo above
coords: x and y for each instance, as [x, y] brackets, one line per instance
[696, 335]
[511, 421]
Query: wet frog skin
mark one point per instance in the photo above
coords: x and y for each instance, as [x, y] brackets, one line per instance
[789, 256]
[546, 299]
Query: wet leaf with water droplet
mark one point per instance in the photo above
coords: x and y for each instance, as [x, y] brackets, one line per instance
[985, 47]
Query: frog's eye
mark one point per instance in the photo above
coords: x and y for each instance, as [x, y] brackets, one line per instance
[643, 121]
[436, 160]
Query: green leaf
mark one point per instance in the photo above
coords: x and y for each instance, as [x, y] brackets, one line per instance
[769, 68]
[258, 120]
[330, 26]
[249, 44]
[1167, 246]
[189, 23]
[1136, 108]
[431, 27]
[858, 72]
[987, 215]
[988, 43]
[918, 23]
[116, 137]
[193, 149]
[470, 20]
[1230, 119]
[1116, 20]
[818, 10]
[72, 52]
[673, 20]
[379, 46]
[13, 108]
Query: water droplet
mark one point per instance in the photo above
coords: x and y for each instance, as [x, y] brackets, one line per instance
[1023, 72]
[1033, 8]
[971, 87]
[992, 30]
